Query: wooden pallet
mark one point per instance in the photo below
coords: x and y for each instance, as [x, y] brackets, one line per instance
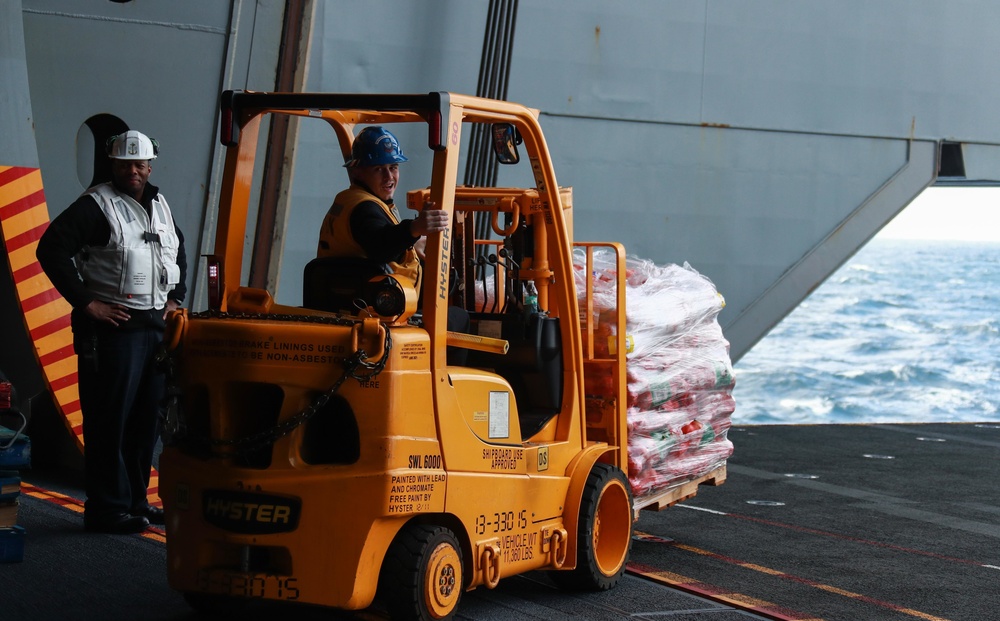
[674, 495]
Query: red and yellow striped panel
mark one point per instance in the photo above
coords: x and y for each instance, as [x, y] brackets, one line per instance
[24, 216]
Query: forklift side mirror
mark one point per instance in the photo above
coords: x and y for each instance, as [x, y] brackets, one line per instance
[505, 141]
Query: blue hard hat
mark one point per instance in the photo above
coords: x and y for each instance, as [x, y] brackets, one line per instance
[375, 146]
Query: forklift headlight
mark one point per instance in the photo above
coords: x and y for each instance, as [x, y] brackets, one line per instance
[392, 297]
[389, 299]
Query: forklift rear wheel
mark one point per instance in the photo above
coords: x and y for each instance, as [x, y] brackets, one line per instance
[422, 576]
[604, 533]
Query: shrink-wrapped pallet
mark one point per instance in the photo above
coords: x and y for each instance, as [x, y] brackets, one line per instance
[680, 376]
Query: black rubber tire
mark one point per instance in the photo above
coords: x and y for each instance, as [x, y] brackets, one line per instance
[604, 536]
[422, 576]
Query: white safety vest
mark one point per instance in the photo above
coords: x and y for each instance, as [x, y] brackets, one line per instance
[134, 269]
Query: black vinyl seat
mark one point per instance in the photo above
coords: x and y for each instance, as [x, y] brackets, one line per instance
[334, 283]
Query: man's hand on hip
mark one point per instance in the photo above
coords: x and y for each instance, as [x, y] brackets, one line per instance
[102, 312]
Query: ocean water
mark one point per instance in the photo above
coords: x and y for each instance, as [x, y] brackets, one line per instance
[907, 331]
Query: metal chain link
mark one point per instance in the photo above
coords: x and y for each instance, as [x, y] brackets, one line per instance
[358, 359]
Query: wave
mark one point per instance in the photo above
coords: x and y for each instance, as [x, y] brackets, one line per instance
[983, 327]
[904, 332]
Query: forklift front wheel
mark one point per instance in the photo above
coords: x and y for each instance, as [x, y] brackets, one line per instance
[422, 576]
[604, 534]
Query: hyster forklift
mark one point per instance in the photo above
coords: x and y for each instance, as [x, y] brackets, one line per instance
[328, 453]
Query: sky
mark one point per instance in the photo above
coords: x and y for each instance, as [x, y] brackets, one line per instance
[949, 213]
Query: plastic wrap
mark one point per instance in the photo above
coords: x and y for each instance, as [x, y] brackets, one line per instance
[486, 295]
[680, 376]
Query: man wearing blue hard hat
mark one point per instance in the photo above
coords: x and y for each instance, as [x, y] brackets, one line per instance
[364, 222]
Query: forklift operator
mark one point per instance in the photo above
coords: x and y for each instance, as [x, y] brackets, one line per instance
[364, 222]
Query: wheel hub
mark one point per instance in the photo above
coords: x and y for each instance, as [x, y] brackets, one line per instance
[443, 581]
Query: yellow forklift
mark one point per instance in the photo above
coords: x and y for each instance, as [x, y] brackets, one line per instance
[327, 453]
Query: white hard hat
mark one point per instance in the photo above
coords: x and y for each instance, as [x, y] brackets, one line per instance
[132, 145]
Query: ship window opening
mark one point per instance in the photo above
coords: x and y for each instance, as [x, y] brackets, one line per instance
[952, 162]
[92, 163]
[911, 298]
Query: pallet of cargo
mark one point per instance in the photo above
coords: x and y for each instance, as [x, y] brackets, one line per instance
[678, 493]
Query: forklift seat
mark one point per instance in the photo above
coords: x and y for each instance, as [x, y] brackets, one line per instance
[333, 283]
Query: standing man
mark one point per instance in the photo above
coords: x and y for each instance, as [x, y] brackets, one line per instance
[117, 256]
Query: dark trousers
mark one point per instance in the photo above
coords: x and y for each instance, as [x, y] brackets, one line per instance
[121, 395]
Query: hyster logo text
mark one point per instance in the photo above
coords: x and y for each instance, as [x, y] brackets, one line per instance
[251, 513]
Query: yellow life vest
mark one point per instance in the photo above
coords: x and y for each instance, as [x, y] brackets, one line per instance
[336, 239]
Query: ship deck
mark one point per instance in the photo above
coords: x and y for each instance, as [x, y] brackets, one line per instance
[832, 522]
